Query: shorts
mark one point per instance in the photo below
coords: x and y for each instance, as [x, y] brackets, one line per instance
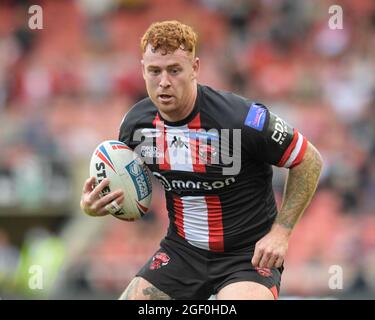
[183, 271]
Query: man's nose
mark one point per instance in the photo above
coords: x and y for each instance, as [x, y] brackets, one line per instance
[164, 80]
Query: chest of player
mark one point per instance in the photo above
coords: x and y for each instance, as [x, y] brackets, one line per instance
[189, 160]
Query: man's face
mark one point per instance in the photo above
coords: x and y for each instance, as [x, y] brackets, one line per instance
[170, 81]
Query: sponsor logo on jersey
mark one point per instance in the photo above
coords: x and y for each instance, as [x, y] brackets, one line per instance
[280, 129]
[179, 184]
[178, 143]
[256, 117]
[151, 152]
[159, 260]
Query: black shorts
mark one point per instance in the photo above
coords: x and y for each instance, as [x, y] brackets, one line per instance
[183, 271]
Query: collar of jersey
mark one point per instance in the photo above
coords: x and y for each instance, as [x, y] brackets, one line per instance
[189, 117]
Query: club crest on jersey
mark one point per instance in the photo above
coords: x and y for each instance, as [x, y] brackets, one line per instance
[264, 272]
[207, 153]
[159, 260]
[256, 117]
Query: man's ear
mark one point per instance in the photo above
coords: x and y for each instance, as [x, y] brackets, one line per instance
[196, 67]
[143, 69]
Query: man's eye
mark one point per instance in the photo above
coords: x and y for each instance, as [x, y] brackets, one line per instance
[175, 71]
[154, 71]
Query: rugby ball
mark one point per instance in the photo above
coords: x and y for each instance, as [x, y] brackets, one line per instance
[125, 170]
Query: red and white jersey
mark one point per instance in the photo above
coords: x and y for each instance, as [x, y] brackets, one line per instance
[215, 166]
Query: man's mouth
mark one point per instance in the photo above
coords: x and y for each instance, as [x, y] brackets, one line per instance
[165, 97]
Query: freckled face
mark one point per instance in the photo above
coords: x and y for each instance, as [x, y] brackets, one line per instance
[171, 81]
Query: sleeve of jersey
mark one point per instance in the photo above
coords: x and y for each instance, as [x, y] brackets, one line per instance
[295, 151]
[276, 141]
[125, 133]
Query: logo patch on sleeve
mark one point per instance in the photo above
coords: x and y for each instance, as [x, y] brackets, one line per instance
[256, 117]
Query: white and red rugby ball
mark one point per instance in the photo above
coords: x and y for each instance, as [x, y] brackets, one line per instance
[125, 170]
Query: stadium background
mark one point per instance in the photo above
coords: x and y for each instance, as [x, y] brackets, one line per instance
[65, 88]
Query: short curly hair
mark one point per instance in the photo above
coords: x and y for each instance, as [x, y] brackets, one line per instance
[168, 36]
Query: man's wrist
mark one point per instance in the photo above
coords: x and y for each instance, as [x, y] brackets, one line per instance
[282, 228]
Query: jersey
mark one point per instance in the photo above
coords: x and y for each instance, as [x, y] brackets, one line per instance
[215, 166]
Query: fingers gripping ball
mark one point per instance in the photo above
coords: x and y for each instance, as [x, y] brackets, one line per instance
[125, 170]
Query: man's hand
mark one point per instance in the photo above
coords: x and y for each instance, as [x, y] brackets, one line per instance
[270, 250]
[92, 204]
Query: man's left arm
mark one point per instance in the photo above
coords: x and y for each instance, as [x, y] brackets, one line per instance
[300, 187]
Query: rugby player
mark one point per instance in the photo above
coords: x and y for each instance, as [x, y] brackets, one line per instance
[213, 152]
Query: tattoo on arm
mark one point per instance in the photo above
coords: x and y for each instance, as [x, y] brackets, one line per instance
[300, 187]
[155, 294]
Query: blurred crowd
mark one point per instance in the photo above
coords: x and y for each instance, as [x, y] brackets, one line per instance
[65, 88]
